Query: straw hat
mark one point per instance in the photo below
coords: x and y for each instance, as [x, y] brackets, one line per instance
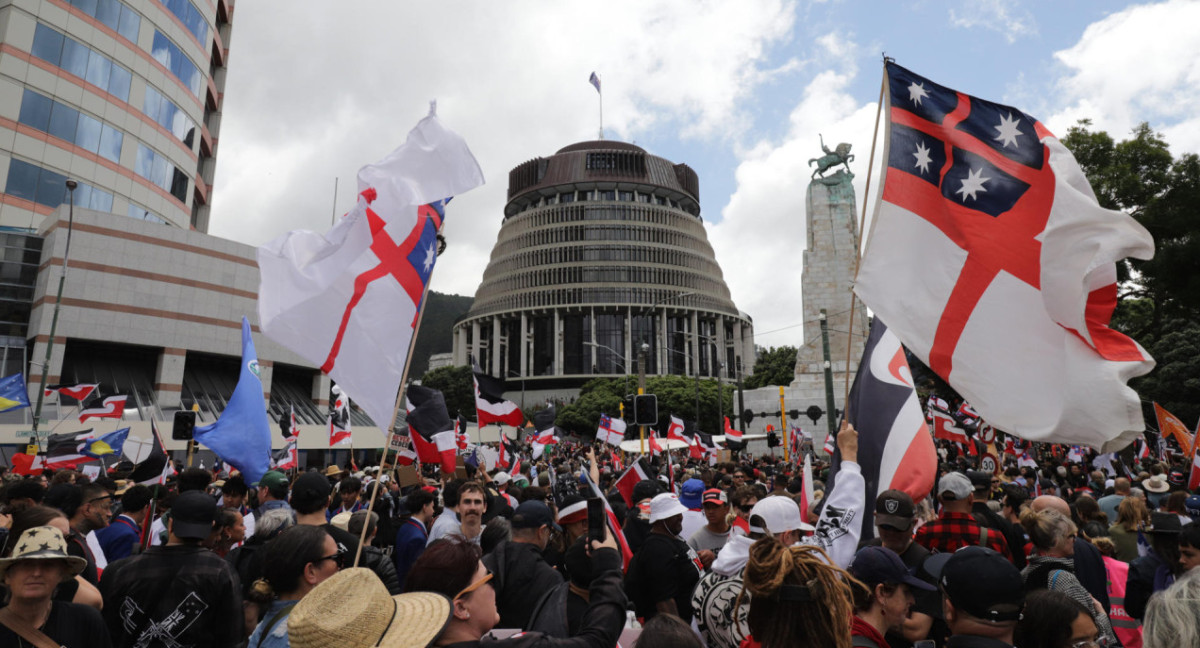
[353, 608]
[333, 471]
[43, 543]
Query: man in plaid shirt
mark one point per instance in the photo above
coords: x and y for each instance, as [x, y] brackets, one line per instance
[955, 527]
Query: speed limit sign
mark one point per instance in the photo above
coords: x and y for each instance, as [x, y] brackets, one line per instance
[990, 464]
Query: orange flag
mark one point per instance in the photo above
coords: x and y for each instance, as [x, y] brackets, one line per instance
[1169, 424]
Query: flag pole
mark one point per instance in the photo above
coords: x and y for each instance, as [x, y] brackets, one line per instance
[412, 343]
[862, 222]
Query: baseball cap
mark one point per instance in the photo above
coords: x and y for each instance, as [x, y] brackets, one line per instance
[1192, 505]
[984, 584]
[693, 491]
[954, 486]
[777, 514]
[875, 565]
[665, 505]
[192, 515]
[532, 514]
[715, 496]
[501, 478]
[980, 479]
[311, 487]
[272, 479]
[894, 508]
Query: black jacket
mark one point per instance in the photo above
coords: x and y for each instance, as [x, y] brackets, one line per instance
[521, 577]
[1012, 534]
[374, 559]
[602, 624]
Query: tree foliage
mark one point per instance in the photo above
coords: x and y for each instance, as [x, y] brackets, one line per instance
[676, 395]
[457, 384]
[775, 366]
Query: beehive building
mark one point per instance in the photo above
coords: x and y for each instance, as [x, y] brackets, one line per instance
[602, 254]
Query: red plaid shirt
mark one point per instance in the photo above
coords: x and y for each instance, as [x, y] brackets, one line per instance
[953, 531]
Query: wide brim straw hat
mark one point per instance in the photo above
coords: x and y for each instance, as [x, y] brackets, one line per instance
[43, 543]
[352, 609]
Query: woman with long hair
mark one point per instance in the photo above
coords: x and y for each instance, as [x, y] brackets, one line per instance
[1131, 515]
[1052, 565]
[796, 592]
[296, 561]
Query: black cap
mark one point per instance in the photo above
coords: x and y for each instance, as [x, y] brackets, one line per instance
[309, 488]
[1164, 523]
[193, 514]
[983, 583]
[876, 565]
[532, 514]
[980, 479]
[894, 508]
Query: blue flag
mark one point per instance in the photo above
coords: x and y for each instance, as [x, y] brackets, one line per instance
[110, 444]
[13, 394]
[242, 435]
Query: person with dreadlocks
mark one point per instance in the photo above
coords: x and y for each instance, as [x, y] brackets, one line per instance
[796, 592]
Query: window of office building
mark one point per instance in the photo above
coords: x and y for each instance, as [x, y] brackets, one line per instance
[171, 57]
[141, 213]
[190, 16]
[542, 346]
[610, 343]
[169, 116]
[82, 61]
[115, 15]
[156, 168]
[46, 187]
[67, 123]
[577, 357]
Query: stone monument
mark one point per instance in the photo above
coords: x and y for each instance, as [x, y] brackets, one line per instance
[828, 274]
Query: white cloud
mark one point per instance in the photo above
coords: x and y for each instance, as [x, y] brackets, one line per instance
[760, 239]
[1140, 64]
[1000, 16]
[317, 89]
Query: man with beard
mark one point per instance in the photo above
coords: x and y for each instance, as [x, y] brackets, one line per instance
[665, 570]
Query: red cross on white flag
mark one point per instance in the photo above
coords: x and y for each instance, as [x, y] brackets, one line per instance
[347, 300]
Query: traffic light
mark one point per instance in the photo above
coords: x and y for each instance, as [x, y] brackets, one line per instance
[185, 423]
[814, 412]
[645, 409]
[772, 440]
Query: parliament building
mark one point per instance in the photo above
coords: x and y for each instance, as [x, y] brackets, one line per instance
[602, 256]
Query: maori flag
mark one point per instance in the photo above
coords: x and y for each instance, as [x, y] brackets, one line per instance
[884, 408]
[79, 392]
[348, 300]
[434, 436]
[991, 260]
[490, 404]
[339, 418]
[154, 468]
[111, 407]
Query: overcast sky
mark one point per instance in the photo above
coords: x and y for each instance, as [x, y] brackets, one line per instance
[738, 90]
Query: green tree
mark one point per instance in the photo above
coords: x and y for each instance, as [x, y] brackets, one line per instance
[457, 384]
[1159, 299]
[775, 366]
[675, 394]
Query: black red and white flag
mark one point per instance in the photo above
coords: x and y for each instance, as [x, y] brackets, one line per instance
[434, 436]
[614, 525]
[884, 408]
[288, 424]
[68, 450]
[733, 438]
[286, 458]
[156, 466]
[490, 404]
[111, 407]
[506, 454]
[79, 392]
[629, 479]
[339, 418]
[460, 433]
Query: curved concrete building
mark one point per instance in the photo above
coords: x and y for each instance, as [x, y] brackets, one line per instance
[603, 250]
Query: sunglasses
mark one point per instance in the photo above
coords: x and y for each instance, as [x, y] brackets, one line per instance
[338, 559]
[474, 586]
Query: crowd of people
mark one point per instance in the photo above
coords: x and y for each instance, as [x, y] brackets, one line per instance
[721, 554]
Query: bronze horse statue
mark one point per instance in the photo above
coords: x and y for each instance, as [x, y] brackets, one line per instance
[840, 155]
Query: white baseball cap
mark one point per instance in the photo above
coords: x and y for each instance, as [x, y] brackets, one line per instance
[779, 514]
[501, 478]
[665, 505]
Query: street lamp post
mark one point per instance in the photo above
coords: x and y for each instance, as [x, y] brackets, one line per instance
[37, 412]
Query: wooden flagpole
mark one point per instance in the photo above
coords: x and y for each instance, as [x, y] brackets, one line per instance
[412, 343]
[861, 224]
